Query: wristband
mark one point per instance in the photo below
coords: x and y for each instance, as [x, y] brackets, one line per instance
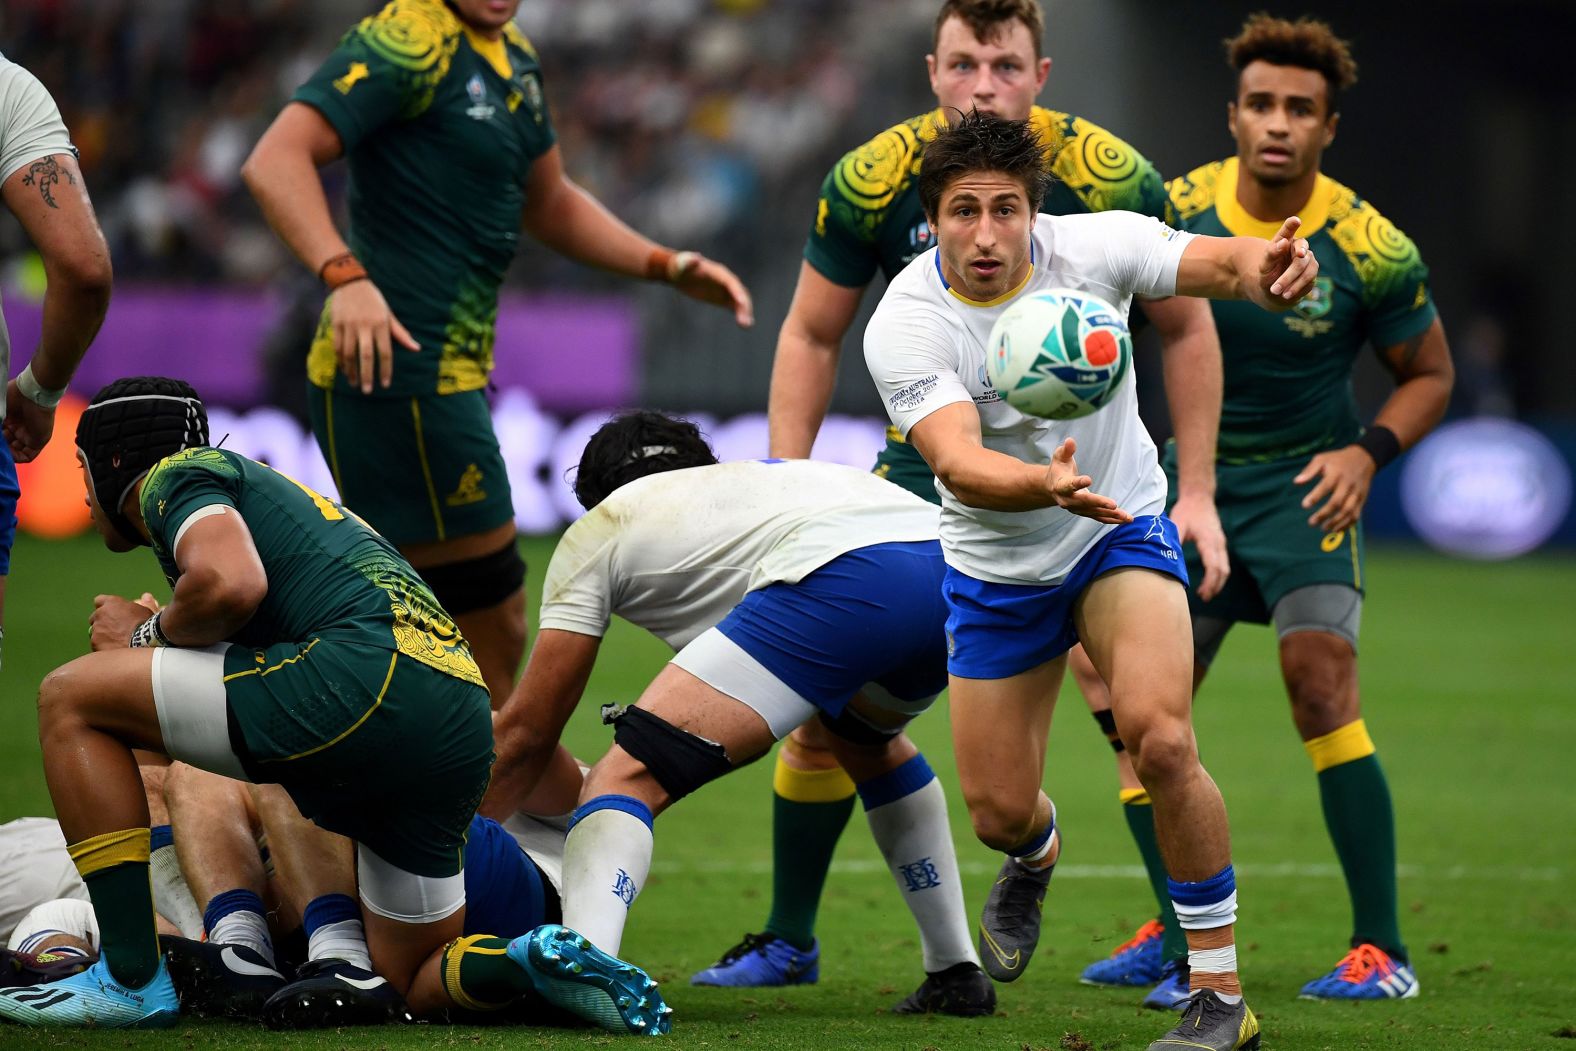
[36, 393]
[341, 270]
[1381, 444]
[149, 633]
[666, 265]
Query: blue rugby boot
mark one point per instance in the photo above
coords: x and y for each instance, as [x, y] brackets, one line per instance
[763, 960]
[569, 972]
[1172, 989]
[94, 999]
[1136, 961]
[1365, 973]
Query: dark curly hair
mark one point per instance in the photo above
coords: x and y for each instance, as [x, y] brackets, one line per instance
[982, 142]
[986, 18]
[1306, 43]
[633, 445]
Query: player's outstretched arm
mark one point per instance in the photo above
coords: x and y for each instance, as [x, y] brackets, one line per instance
[1424, 376]
[527, 728]
[1275, 274]
[1190, 358]
[50, 200]
[804, 372]
[563, 216]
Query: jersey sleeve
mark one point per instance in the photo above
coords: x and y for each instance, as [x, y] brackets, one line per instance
[842, 246]
[182, 485]
[1395, 283]
[912, 360]
[385, 69]
[30, 124]
[1105, 172]
[1143, 253]
[577, 593]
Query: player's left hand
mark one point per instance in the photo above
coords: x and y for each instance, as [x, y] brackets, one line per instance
[1288, 268]
[710, 282]
[1197, 520]
[28, 425]
[1344, 476]
[114, 619]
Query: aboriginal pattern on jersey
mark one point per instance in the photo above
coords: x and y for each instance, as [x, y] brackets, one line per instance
[419, 37]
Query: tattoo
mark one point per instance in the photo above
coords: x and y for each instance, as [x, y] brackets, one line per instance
[46, 174]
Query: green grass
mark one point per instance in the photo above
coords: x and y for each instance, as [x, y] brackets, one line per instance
[1466, 678]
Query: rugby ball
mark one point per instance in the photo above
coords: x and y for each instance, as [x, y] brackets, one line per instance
[1059, 354]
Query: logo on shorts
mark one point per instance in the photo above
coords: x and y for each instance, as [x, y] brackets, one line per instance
[624, 888]
[920, 875]
[1332, 541]
[952, 644]
[470, 490]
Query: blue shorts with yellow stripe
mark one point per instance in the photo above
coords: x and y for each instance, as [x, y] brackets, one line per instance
[369, 743]
[1272, 547]
[417, 469]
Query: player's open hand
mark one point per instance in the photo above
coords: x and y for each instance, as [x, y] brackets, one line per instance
[1070, 490]
[1344, 476]
[1288, 268]
[710, 282]
[113, 621]
[1197, 521]
[365, 330]
[28, 425]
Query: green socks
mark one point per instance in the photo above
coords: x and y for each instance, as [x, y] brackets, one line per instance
[810, 809]
[115, 868]
[1140, 815]
[479, 976]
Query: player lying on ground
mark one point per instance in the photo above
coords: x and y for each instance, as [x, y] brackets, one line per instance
[1036, 561]
[791, 590]
[299, 649]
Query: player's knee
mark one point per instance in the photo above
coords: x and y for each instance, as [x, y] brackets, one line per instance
[58, 702]
[481, 583]
[1003, 824]
[810, 747]
[1320, 682]
[1164, 751]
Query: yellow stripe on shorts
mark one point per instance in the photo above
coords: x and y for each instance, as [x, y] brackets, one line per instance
[1348, 744]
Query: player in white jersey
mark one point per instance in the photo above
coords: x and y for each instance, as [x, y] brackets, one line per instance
[791, 589]
[1036, 560]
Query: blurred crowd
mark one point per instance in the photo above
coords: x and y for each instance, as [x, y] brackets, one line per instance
[686, 116]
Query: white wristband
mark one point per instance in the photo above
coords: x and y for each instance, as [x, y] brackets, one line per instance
[39, 395]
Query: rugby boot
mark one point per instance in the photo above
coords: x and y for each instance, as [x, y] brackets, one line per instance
[1136, 961]
[569, 972]
[1211, 1024]
[1010, 923]
[220, 981]
[94, 999]
[1365, 973]
[763, 960]
[1172, 990]
[329, 993]
[962, 990]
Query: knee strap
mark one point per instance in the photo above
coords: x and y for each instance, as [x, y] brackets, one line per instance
[1107, 720]
[476, 583]
[680, 761]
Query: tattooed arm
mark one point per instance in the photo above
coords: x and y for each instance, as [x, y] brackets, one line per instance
[49, 199]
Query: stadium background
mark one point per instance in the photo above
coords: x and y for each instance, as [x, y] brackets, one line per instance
[709, 124]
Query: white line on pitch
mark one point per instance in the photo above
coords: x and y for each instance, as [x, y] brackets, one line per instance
[1249, 870]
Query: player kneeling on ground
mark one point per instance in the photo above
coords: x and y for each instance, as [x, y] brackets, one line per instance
[298, 648]
[791, 590]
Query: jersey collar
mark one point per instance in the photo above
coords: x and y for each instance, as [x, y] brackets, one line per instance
[999, 300]
[1314, 212]
[493, 52]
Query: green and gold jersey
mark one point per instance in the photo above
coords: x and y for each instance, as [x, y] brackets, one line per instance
[329, 575]
[440, 127]
[1288, 382]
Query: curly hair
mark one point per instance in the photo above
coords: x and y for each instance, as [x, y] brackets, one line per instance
[983, 142]
[1307, 43]
[634, 445]
[986, 18]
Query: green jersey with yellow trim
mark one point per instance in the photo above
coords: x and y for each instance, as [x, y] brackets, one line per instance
[440, 127]
[1288, 376]
[329, 574]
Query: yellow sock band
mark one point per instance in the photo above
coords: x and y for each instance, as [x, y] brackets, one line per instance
[1134, 797]
[1348, 744]
[98, 853]
[453, 956]
[810, 786]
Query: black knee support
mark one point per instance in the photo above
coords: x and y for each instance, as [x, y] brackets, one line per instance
[1107, 721]
[476, 583]
[679, 761]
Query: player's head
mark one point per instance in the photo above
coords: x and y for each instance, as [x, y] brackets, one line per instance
[634, 445]
[986, 56]
[1289, 76]
[486, 15]
[982, 181]
[128, 427]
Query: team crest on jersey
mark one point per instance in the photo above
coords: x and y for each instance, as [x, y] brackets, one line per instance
[479, 109]
[531, 92]
[1307, 317]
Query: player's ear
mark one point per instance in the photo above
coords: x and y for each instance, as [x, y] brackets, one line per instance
[1231, 117]
[930, 70]
[1043, 70]
[1329, 127]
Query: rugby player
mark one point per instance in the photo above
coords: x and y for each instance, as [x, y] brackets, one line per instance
[298, 648]
[440, 111]
[987, 57]
[42, 186]
[791, 590]
[1295, 463]
[1036, 560]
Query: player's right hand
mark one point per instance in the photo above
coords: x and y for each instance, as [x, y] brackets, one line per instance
[28, 425]
[363, 324]
[1070, 490]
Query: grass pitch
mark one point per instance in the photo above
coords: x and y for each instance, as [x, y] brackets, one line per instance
[1467, 684]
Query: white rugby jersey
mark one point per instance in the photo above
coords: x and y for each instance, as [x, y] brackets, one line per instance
[674, 552]
[925, 348]
[34, 868]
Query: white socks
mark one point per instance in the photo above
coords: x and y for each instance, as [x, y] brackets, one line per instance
[606, 860]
